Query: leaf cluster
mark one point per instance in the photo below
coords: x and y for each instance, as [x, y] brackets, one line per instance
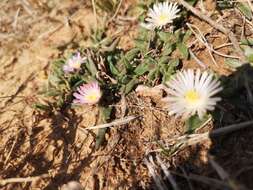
[153, 60]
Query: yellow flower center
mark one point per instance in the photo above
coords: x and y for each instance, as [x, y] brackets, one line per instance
[192, 96]
[163, 18]
[92, 97]
[76, 65]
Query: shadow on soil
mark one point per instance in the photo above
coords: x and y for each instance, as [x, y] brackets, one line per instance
[67, 133]
[64, 127]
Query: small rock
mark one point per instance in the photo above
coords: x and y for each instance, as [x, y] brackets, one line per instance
[72, 185]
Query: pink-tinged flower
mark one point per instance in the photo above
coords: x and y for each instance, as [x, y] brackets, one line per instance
[88, 94]
[74, 63]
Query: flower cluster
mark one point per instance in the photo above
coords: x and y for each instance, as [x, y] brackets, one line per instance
[189, 92]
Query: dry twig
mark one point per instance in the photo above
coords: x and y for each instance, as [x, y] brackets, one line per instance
[22, 180]
[117, 10]
[115, 122]
[203, 40]
[14, 24]
[157, 178]
[11, 150]
[197, 59]
[27, 7]
[94, 12]
[206, 180]
[217, 26]
[168, 174]
[224, 175]
[181, 142]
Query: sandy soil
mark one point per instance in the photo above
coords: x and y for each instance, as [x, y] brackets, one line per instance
[49, 145]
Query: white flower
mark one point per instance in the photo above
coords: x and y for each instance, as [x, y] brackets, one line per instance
[160, 15]
[191, 92]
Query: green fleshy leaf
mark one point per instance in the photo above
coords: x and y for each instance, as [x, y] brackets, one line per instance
[92, 67]
[152, 74]
[245, 9]
[130, 85]
[54, 80]
[248, 51]
[183, 50]
[187, 35]
[60, 102]
[114, 70]
[248, 42]
[42, 107]
[170, 69]
[164, 36]
[169, 48]
[194, 122]
[174, 63]
[141, 69]
[233, 63]
[225, 4]
[104, 116]
[106, 5]
[75, 80]
[163, 60]
[166, 77]
[52, 93]
[191, 2]
[100, 138]
[125, 79]
[131, 54]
